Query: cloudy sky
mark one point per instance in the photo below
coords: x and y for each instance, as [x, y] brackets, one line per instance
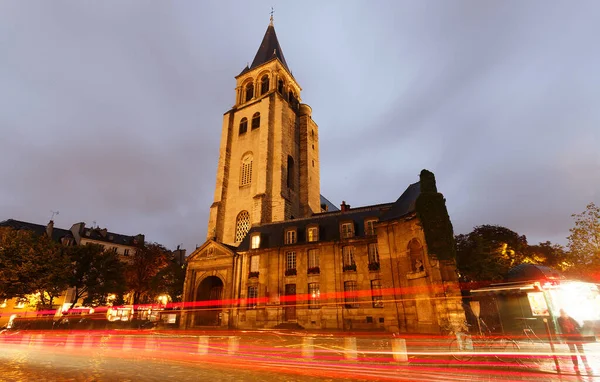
[110, 111]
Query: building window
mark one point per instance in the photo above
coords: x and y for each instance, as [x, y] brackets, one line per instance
[252, 297]
[254, 260]
[313, 261]
[347, 230]
[242, 225]
[290, 264]
[126, 252]
[256, 121]
[314, 296]
[376, 294]
[249, 92]
[416, 255]
[3, 305]
[255, 241]
[370, 226]
[290, 236]
[264, 84]
[350, 295]
[373, 254]
[246, 171]
[280, 86]
[243, 125]
[290, 172]
[348, 258]
[312, 234]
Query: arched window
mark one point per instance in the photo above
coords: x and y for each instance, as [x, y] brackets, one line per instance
[243, 125]
[290, 172]
[264, 85]
[280, 86]
[249, 92]
[256, 121]
[415, 250]
[246, 170]
[242, 226]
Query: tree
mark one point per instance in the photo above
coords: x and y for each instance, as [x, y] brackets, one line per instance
[32, 265]
[584, 242]
[488, 252]
[550, 255]
[147, 261]
[170, 280]
[96, 273]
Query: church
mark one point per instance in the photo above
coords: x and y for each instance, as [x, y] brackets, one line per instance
[278, 254]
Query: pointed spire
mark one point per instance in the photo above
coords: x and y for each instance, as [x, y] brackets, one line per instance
[269, 48]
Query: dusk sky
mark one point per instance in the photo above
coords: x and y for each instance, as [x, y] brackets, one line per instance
[111, 111]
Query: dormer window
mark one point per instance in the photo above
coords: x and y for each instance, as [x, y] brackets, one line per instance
[370, 226]
[255, 121]
[255, 241]
[243, 125]
[312, 234]
[347, 230]
[290, 236]
[249, 92]
[264, 84]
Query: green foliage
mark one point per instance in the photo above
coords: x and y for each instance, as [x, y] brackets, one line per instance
[584, 243]
[32, 265]
[551, 255]
[433, 216]
[170, 280]
[488, 253]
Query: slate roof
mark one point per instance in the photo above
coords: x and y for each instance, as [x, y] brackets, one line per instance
[38, 229]
[268, 50]
[109, 237]
[405, 203]
[272, 234]
[330, 206]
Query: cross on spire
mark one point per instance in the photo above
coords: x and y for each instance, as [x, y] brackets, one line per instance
[271, 20]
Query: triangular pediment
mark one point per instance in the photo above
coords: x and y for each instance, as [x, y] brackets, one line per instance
[211, 249]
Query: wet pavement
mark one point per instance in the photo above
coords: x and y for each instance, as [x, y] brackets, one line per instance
[265, 356]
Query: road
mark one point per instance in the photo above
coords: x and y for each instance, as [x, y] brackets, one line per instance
[148, 357]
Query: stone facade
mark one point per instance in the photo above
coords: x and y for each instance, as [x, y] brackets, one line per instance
[358, 268]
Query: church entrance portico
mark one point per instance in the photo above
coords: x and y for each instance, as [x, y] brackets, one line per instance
[209, 295]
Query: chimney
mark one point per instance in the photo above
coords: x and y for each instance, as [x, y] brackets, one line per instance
[50, 228]
[344, 207]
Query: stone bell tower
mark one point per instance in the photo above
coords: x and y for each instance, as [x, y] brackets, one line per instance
[269, 154]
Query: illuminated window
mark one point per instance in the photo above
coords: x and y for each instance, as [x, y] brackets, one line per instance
[246, 171]
[3, 305]
[370, 226]
[373, 254]
[312, 234]
[254, 263]
[290, 260]
[347, 230]
[255, 241]
[376, 294]
[242, 225]
[243, 125]
[255, 121]
[252, 297]
[314, 296]
[313, 258]
[264, 84]
[290, 236]
[350, 295]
